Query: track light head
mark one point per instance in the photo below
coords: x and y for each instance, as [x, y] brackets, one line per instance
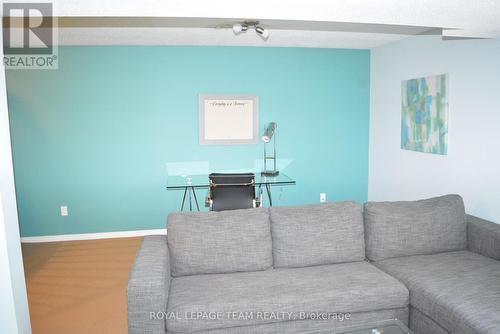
[239, 28]
[263, 33]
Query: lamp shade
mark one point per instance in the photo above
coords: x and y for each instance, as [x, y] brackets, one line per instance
[268, 134]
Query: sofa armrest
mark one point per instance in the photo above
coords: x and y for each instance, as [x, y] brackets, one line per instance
[483, 237]
[148, 284]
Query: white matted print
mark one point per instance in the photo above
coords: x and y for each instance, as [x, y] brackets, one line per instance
[228, 119]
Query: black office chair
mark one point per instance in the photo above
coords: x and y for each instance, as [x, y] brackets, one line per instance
[232, 191]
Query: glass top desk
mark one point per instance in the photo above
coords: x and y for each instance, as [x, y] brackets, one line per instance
[393, 326]
[189, 183]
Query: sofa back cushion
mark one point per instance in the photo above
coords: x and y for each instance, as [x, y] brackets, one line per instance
[317, 234]
[219, 242]
[394, 229]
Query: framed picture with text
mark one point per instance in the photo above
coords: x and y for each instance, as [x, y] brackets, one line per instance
[228, 119]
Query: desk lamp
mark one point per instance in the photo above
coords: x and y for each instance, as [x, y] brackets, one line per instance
[269, 134]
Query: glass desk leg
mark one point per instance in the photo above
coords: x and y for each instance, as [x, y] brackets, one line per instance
[195, 199]
[268, 189]
[184, 198]
[190, 200]
[189, 191]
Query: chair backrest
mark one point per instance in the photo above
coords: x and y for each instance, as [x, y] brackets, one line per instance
[232, 191]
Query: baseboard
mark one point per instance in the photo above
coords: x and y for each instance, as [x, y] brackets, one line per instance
[93, 236]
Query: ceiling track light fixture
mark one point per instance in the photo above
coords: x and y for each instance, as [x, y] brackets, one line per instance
[238, 28]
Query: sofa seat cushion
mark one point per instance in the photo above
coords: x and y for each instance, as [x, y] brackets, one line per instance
[458, 290]
[339, 288]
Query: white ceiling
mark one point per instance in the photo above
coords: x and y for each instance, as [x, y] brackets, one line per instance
[311, 23]
[203, 36]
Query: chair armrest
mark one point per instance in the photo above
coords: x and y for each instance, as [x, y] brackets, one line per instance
[148, 284]
[483, 237]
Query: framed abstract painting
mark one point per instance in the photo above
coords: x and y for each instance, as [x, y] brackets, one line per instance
[424, 114]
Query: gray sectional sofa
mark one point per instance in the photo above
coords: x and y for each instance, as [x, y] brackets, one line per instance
[449, 262]
[297, 269]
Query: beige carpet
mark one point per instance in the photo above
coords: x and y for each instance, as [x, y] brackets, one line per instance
[79, 286]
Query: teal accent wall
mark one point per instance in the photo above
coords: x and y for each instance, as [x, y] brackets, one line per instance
[97, 134]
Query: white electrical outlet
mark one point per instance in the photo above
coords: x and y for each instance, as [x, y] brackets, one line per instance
[64, 211]
[322, 197]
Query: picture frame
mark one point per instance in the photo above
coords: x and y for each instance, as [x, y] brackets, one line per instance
[228, 119]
